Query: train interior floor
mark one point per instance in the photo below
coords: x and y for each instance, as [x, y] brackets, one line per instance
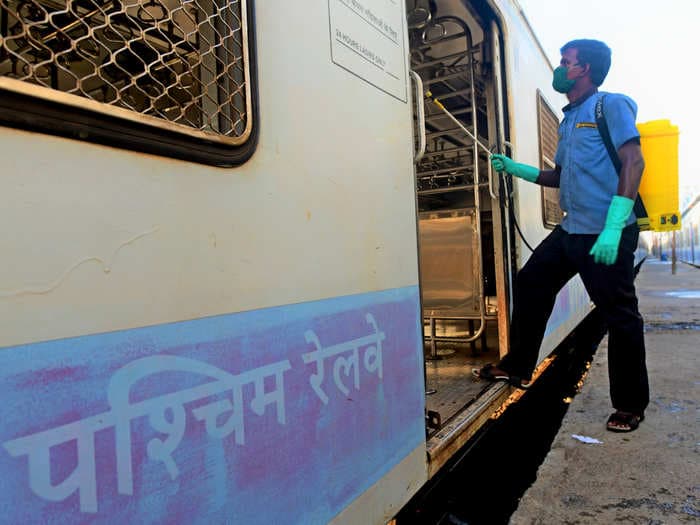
[449, 383]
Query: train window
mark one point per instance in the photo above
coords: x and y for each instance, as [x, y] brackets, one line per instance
[172, 77]
[548, 126]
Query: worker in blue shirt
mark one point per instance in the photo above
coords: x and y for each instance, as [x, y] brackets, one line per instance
[596, 239]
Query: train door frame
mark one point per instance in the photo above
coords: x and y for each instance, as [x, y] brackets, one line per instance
[501, 217]
[471, 416]
[497, 116]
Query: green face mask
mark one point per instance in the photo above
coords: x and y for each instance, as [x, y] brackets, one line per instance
[560, 83]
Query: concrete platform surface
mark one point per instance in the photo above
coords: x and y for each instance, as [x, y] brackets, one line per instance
[650, 476]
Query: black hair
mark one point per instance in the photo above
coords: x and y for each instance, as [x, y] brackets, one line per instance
[594, 53]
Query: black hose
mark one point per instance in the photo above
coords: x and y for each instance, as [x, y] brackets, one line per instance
[509, 196]
[517, 227]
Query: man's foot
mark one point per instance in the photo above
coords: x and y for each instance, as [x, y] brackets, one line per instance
[621, 421]
[491, 372]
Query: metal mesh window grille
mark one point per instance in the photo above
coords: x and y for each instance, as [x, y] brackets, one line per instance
[175, 64]
[548, 125]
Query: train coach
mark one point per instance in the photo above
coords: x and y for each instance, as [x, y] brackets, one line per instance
[252, 251]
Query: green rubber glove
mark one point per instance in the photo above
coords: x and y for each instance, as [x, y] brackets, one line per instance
[503, 163]
[605, 248]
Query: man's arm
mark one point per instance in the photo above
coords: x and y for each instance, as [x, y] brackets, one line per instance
[632, 166]
[549, 178]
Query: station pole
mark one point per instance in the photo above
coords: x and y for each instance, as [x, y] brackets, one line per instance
[673, 253]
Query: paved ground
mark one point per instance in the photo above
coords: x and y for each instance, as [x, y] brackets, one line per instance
[650, 476]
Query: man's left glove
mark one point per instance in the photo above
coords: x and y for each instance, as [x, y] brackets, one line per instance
[606, 246]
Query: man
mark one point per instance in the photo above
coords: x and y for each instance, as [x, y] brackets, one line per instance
[596, 238]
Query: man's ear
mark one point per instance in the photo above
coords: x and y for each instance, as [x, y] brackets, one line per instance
[586, 70]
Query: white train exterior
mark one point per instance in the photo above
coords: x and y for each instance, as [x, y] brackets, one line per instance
[212, 322]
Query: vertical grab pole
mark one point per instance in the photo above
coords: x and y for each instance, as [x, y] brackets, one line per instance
[477, 191]
[673, 253]
[420, 107]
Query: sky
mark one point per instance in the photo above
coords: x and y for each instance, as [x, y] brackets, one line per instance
[653, 59]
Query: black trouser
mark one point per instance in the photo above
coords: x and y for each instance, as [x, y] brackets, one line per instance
[556, 260]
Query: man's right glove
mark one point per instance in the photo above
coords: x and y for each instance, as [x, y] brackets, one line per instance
[605, 248]
[503, 163]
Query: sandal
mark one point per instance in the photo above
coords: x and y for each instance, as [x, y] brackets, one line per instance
[487, 372]
[621, 421]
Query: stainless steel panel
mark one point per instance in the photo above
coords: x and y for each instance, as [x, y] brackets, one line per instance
[449, 264]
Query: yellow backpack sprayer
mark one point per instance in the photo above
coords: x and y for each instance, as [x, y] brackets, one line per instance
[657, 205]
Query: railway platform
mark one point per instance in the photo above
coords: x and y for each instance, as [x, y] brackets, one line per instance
[652, 475]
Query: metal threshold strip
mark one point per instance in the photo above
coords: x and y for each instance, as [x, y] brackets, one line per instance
[490, 404]
[455, 434]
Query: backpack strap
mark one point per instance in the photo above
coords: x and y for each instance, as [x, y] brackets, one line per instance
[639, 210]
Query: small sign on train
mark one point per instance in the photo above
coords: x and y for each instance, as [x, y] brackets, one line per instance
[367, 40]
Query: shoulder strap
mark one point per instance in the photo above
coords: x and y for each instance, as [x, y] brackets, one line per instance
[639, 209]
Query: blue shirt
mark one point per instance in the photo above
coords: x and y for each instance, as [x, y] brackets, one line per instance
[588, 178]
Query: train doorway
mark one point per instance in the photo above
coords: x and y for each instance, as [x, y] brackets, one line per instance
[462, 239]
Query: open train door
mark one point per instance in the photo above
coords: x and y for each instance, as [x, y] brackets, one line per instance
[463, 237]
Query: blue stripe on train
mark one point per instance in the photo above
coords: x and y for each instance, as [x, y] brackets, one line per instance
[221, 419]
